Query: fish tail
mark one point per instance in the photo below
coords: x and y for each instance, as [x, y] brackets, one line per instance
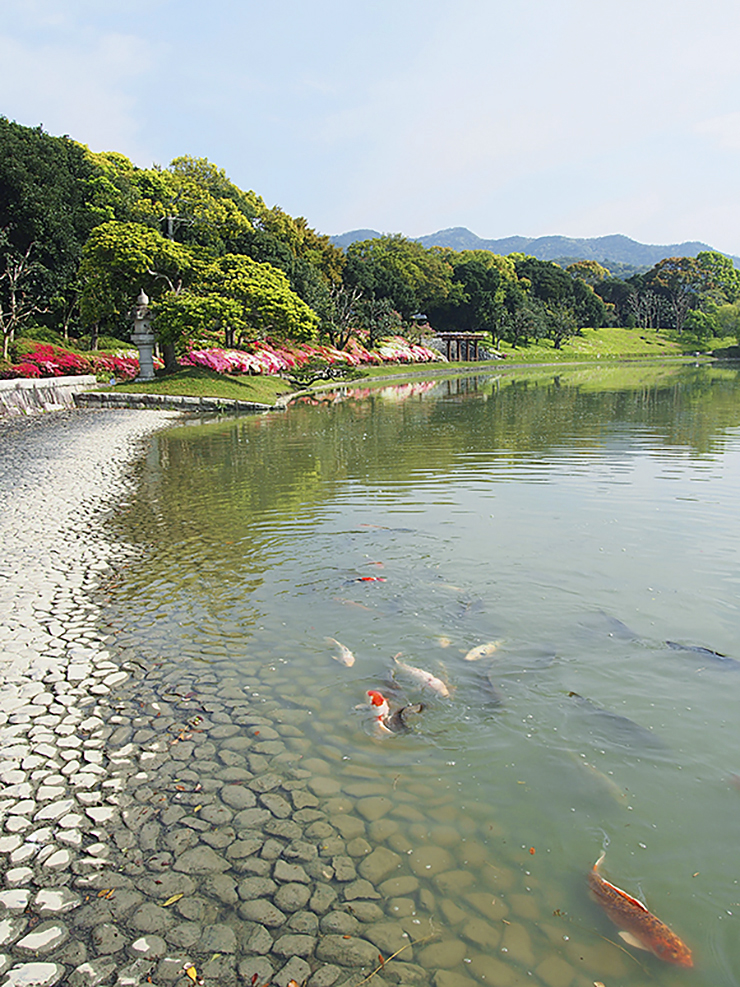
[599, 862]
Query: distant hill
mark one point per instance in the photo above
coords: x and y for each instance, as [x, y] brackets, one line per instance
[615, 249]
[344, 239]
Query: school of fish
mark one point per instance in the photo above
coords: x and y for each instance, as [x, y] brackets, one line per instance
[638, 926]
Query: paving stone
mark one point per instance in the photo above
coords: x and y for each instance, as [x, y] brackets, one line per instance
[290, 873]
[296, 969]
[346, 951]
[201, 860]
[34, 975]
[44, 938]
[107, 938]
[92, 973]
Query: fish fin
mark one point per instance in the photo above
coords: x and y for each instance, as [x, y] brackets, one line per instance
[633, 941]
[628, 897]
[600, 861]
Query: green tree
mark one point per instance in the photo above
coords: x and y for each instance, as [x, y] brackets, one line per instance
[700, 326]
[119, 259]
[44, 201]
[410, 276]
[727, 318]
[554, 287]
[268, 305]
[478, 292]
[379, 319]
[722, 275]
[589, 271]
[344, 316]
[524, 323]
[680, 280]
[18, 301]
[560, 324]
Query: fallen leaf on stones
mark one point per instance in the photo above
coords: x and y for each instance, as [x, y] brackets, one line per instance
[173, 899]
[106, 893]
[191, 972]
[197, 807]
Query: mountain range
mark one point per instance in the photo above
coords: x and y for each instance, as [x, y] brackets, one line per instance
[625, 256]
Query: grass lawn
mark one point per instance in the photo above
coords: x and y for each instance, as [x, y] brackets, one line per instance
[600, 344]
[200, 382]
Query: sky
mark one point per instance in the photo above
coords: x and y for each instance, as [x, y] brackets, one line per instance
[526, 117]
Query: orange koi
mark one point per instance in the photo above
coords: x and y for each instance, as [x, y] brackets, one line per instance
[640, 928]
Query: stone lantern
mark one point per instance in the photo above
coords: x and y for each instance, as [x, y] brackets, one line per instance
[143, 336]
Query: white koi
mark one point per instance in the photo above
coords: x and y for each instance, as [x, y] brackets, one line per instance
[345, 656]
[423, 678]
[483, 651]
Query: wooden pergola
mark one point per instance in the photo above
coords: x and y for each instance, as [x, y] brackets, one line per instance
[461, 346]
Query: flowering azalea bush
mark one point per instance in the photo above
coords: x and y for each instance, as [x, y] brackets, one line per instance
[46, 360]
[265, 357]
[260, 357]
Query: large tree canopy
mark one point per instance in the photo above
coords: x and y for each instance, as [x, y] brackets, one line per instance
[403, 271]
[45, 200]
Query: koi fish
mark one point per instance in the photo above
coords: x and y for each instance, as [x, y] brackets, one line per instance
[482, 651]
[698, 649]
[351, 603]
[611, 728]
[607, 784]
[379, 710]
[423, 678]
[396, 721]
[369, 579]
[345, 656]
[640, 928]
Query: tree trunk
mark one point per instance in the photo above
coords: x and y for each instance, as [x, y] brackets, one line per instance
[170, 357]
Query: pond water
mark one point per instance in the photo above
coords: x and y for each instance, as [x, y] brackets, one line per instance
[576, 524]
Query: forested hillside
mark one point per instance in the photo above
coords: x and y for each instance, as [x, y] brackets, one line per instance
[82, 232]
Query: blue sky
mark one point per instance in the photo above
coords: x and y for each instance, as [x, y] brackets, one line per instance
[528, 117]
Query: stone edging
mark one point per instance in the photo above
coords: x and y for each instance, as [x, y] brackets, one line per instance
[167, 402]
[23, 395]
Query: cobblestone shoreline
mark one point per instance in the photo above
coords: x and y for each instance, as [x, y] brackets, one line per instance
[170, 821]
[145, 842]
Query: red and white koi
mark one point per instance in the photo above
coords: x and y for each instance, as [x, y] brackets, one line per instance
[640, 928]
[379, 712]
[422, 678]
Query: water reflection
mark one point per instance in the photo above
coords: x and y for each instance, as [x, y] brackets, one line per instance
[582, 521]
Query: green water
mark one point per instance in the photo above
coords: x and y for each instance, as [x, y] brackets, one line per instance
[581, 521]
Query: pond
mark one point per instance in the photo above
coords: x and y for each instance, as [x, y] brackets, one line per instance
[576, 527]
